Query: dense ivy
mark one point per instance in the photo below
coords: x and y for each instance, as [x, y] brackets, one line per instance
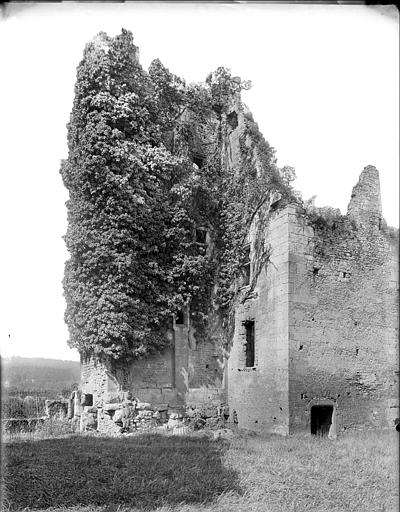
[137, 200]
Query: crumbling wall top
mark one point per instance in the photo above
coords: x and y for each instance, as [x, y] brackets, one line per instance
[365, 206]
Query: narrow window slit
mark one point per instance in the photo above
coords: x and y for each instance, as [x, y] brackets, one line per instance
[246, 267]
[180, 318]
[250, 343]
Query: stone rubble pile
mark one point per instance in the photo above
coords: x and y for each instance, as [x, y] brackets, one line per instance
[122, 413]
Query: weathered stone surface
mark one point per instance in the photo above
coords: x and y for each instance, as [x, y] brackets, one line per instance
[92, 421]
[119, 416]
[173, 423]
[161, 407]
[144, 414]
[112, 407]
[143, 406]
[90, 409]
[175, 415]
[325, 313]
[127, 396]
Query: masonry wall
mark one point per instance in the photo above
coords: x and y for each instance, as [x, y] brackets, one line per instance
[343, 317]
[258, 396]
[97, 378]
[186, 372]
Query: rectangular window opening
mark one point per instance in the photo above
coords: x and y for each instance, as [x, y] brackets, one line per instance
[250, 343]
[246, 267]
[232, 119]
[180, 318]
[201, 236]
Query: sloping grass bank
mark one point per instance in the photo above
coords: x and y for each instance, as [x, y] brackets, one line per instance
[357, 472]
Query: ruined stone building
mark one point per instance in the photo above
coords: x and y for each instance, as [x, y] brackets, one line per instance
[315, 339]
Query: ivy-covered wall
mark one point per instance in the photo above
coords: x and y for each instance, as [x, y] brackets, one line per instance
[188, 246]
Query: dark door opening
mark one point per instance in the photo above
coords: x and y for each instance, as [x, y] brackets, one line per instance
[321, 419]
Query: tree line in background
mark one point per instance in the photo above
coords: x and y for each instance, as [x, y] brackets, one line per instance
[33, 375]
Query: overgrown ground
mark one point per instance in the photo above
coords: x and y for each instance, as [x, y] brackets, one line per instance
[357, 472]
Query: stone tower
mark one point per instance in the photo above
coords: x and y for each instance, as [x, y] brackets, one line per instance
[322, 322]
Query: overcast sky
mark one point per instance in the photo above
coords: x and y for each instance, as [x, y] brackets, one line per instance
[325, 95]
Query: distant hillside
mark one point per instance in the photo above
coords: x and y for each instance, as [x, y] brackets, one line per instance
[37, 373]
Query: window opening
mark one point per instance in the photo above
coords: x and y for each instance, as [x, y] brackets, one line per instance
[232, 119]
[274, 206]
[201, 236]
[250, 345]
[321, 419]
[246, 268]
[87, 399]
[180, 318]
[198, 160]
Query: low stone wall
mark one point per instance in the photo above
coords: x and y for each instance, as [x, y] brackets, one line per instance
[123, 413]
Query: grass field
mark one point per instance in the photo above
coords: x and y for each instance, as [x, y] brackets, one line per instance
[356, 472]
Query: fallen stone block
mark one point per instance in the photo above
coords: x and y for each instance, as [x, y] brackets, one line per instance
[173, 423]
[129, 403]
[111, 407]
[144, 406]
[175, 415]
[118, 416]
[161, 407]
[145, 415]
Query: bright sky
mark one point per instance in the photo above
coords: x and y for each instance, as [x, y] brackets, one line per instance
[325, 95]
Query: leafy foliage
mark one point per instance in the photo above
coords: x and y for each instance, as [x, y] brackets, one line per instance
[138, 198]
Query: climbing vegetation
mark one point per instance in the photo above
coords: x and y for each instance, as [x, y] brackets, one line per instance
[158, 216]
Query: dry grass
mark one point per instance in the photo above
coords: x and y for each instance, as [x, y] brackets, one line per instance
[357, 472]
